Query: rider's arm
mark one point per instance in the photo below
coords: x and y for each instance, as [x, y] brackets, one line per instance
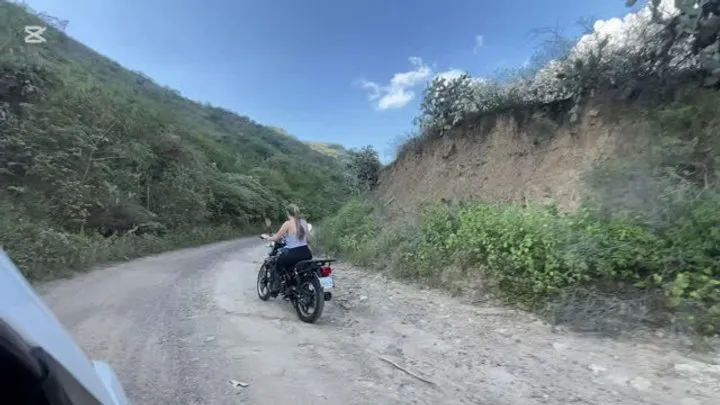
[281, 233]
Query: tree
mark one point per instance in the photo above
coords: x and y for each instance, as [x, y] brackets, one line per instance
[696, 22]
[365, 168]
[446, 101]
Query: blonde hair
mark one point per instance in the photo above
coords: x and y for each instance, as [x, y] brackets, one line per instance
[294, 212]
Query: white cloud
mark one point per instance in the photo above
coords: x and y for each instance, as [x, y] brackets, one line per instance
[397, 98]
[373, 89]
[413, 77]
[399, 91]
[479, 42]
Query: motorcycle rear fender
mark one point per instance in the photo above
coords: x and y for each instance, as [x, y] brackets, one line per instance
[311, 265]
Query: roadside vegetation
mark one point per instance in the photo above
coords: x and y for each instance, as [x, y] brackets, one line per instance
[99, 163]
[643, 248]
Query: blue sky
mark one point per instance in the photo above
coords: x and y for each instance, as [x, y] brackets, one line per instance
[312, 66]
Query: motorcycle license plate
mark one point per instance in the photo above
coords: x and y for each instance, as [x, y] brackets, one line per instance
[327, 283]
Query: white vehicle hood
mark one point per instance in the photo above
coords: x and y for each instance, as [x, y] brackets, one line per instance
[27, 314]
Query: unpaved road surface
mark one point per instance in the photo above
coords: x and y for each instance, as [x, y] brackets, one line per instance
[179, 326]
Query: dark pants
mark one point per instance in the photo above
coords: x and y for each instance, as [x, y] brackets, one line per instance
[287, 259]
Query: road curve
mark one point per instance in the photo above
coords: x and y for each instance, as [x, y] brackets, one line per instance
[179, 326]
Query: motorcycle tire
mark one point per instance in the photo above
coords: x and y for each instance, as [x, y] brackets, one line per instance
[263, 283]
[317, 296]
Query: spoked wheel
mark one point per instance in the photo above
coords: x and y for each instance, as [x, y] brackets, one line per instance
[310, 300]
[263, 283]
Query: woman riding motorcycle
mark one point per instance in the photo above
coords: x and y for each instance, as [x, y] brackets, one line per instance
[295, 233]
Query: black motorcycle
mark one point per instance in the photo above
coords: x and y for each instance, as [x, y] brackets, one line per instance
[306, 285]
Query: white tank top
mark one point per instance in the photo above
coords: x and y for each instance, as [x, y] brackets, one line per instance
[292, 240]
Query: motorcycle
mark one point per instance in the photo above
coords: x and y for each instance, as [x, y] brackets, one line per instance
[306, 286]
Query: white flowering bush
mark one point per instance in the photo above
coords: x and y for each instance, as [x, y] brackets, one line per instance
[654, 45]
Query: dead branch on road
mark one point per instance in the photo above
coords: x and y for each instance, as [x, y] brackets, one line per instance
[408, 372]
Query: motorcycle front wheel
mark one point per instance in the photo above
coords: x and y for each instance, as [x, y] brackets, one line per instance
[309, 299]
[263, 283]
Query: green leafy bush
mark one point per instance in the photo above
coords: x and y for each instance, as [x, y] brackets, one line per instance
[350, 231]
[531, 255]
[43, 252]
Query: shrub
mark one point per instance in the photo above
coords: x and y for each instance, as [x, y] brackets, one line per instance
[44, 252]
[534, 255]
[352, 228]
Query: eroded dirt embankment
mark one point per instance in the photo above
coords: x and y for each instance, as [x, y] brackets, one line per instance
[507, 158]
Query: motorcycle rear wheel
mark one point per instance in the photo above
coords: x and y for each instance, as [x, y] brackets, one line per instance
[309, 295]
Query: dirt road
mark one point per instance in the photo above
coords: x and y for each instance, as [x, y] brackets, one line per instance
[178, 327]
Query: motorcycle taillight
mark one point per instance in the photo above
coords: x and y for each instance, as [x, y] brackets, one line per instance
[325, 271]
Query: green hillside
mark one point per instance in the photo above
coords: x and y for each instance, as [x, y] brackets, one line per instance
[334, 150]
[88, 148]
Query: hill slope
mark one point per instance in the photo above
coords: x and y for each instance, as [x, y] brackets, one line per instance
[330, 149]
[588, 192]
[89, 147]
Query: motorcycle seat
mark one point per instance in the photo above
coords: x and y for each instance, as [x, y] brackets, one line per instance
[311, 263]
